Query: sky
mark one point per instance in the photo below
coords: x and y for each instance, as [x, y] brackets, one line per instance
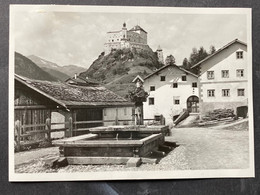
[78, 37]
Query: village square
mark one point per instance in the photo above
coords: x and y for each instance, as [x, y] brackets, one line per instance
[133, 109]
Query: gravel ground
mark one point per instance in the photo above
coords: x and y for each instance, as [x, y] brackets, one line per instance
[199, 148]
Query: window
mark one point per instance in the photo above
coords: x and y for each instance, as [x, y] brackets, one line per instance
[241, 92]
[125, 111]
[175, 85]
[225, 92]
[152, 88]
[184, 78]
[225, 73]
[194, 84]
[240, 73]
[176, 101]
[151, 101]
[162, 78]
[210, 74]
[239, 54]
[211, 93]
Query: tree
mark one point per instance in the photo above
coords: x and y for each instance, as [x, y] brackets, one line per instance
[202, 54]
[212, 49]
[170, 60]
[197, 55]
[193, 56]
[186, 64]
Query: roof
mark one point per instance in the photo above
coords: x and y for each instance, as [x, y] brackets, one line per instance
[84, 81]
[137, 27]
[74, 96]
[162, 68]
[116, 31]
[159, 48]
[136, 78]
[218, 51]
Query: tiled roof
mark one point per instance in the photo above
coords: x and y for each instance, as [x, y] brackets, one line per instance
[70, 95]
[82, 81]
[137, 27]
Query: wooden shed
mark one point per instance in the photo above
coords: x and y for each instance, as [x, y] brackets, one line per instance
[36, 100]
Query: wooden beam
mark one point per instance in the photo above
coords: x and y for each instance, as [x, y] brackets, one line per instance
[33, 125]
[32, 107]
[76, 138]
[149, 160]
[151, 138]
[99, 143]
[87, 122]
[75, 160]
[158, 153]
[29, 133]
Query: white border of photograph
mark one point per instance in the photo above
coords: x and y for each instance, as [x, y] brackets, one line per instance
[129, 175]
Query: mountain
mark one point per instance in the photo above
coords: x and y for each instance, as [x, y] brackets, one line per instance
[117, 69]
[71, 70]
[61, 72]
[27, 68]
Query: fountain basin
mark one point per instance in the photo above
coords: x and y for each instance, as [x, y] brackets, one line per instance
[92, 145]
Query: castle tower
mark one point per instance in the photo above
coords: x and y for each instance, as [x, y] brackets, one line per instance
[160, 54]
[124, 31]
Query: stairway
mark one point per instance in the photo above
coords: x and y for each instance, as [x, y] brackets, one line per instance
[189, 120]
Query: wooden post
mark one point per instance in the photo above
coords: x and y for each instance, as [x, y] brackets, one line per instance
[116, 119]
[142, 115]
[48, 128]
[17, 134]
[70, 127]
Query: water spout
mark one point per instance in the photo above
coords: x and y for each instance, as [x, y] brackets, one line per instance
[131, 136]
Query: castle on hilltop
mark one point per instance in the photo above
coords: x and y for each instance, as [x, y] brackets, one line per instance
[136, 38]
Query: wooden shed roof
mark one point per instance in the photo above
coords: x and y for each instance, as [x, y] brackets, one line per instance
[74, 96]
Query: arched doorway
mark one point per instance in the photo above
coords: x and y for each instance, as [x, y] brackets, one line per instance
[193, 104]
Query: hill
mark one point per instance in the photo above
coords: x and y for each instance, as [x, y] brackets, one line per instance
[61, 72]
[27, 68]
[71, 70]
[117, 69]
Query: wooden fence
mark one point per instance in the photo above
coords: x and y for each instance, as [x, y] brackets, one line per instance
[45, 129]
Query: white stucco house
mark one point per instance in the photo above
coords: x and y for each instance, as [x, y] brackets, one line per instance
[171, 89]
[221, 82]
[223, 78]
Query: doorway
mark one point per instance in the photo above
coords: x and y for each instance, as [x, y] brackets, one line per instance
[193, 104]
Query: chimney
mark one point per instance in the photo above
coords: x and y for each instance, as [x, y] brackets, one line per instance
[75, 76]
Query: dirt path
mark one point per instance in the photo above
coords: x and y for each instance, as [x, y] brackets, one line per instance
[199, 148]
[33, 155]
[213, 149]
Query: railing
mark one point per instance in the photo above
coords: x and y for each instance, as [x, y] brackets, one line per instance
[42, 129]
[46, 128]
